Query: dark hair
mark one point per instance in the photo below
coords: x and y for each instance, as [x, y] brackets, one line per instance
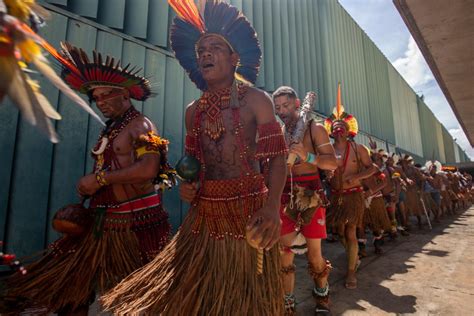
[285, 90]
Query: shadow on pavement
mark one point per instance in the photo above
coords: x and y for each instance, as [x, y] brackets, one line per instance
[375, 273]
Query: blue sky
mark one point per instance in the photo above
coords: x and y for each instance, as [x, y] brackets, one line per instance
[384, 25]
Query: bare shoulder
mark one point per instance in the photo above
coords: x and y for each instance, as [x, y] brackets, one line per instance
[257, 98]
[141, 125]
[191, 107]
[318, 128]
[261, 105]
[189, 114]
[362, 149]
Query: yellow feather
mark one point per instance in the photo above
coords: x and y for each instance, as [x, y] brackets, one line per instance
[20, 9]
[29, 50]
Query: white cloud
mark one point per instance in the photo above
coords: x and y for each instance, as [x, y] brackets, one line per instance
[384, 25]
[413, 67]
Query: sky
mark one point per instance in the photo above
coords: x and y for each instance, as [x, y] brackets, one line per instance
[382, 22]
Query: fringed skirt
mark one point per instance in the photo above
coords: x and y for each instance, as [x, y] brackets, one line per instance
[208, 268]
[75, 267]
[376, 216]
[346, 208]
[413, 202]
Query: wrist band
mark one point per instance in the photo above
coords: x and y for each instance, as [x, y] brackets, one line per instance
[310, 158]
[100, 177]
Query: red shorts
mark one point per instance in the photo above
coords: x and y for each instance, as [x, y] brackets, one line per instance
[314, 230]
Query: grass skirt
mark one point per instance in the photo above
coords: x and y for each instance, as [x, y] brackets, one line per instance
[347, 211]
[75, 267]
[208, 268]
[413, 203]
[376, 216]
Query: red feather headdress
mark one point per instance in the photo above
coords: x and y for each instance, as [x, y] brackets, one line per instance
[85, 75]
[339, 115]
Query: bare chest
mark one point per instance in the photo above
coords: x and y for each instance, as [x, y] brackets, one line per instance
[347, 160]
[232, 152]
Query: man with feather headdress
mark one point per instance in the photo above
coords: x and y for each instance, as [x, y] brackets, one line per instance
[347, 193]
[209, 268]
[125, 225]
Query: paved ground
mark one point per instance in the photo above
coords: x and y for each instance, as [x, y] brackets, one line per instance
[427, 273]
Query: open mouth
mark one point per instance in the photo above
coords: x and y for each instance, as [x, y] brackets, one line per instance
[207, 65]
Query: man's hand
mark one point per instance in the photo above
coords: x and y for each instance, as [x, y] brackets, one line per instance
[188, 191]
[265, 225]
[87, 185]
[299, 150]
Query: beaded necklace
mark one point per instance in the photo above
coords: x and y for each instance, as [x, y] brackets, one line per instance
[231, 97]
[103, 150]
[212, 104]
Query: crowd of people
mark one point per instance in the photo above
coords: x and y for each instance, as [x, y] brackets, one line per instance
[263, 179]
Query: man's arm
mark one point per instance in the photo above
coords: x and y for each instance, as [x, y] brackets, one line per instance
[370, 167]
[326, 158]
[144, 168]
[269, 227]
[187, 190]
[375, 186]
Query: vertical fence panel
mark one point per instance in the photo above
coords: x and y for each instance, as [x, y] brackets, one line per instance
[70, 154]
[173, 129]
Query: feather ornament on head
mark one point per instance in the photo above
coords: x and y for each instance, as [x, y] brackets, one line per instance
[213, 18]
[434, 164]
[407, 158]
[84, 75]
[395, 158]
[340, 115]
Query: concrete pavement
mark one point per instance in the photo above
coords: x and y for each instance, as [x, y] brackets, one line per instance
[426, 273]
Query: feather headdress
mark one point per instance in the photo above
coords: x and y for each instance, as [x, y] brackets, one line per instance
[217, 18]
[434, 164]
[84, 75]
[339, 115]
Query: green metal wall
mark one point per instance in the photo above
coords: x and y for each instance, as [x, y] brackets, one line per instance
[429, 135]
[308, 44]
[448, 146]
[440, 141]
[405, 113]
[378, 89]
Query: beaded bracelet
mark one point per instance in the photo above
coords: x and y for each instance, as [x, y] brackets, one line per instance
[310, 158]
[100, 177]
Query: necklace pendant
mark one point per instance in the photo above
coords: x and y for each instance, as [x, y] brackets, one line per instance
[214, 128]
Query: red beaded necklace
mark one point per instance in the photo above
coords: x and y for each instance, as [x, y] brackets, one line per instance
[212, 103]
[209, 105]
